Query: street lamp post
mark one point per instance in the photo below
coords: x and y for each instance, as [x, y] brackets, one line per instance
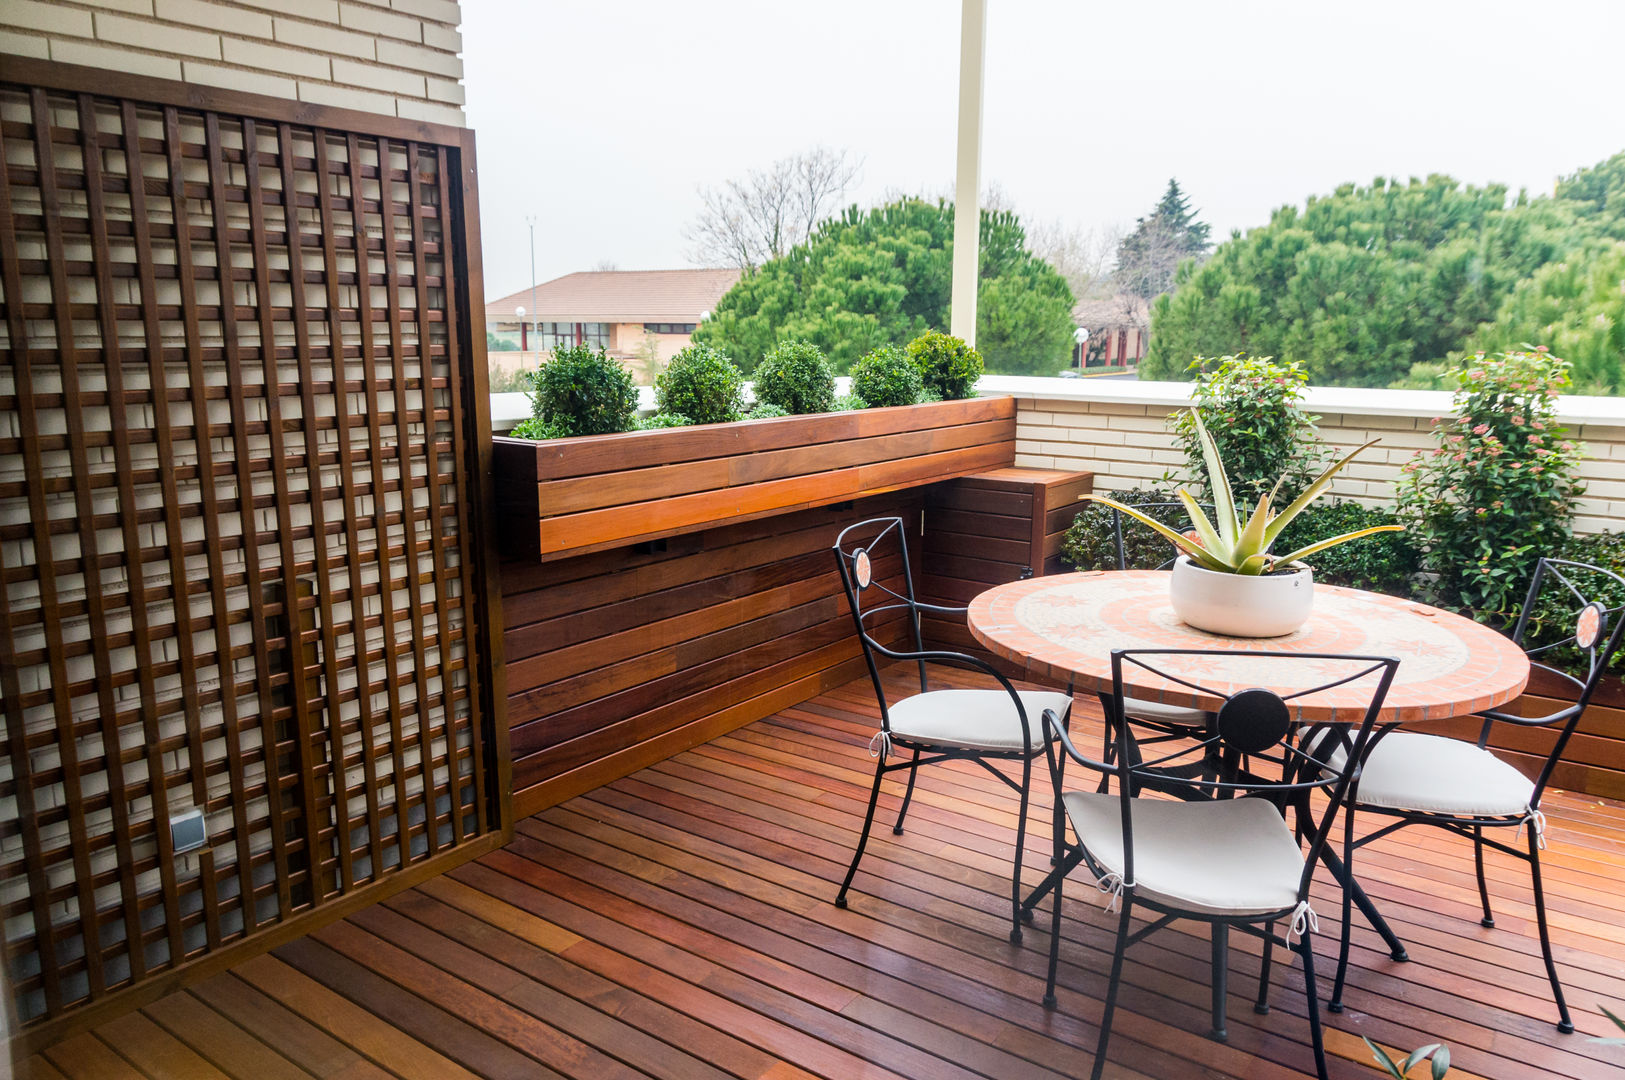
[530, 219]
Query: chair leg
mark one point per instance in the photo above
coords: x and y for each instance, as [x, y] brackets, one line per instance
[908, 796]
[1262, 1005]
[1021, 842]
[1478, 864]
[1054, 943]
[1306, 947]
[1564, 1024]
[1336, 1003]
[863, 837]
[1221, 979]
[1111, 987]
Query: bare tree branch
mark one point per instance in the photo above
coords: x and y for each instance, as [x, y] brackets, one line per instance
[748, 221]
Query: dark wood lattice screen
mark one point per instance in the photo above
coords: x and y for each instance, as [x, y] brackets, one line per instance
[235, 546]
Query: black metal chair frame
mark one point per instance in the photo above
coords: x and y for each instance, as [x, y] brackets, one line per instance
[1239, 747]
[846, 558]
[1601, 652]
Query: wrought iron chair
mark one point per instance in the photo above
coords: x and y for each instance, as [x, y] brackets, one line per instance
[1464, 788]
[1231, 859]
[934, 725]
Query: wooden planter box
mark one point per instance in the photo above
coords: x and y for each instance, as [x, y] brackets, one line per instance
[589, 494]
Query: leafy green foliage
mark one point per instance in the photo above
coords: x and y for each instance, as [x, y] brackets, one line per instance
[1383, 562]
[1499, 489]
[1551, 619]
[581, 391]
[1148, 256]
[883, 276]
[1576, 308]
[949, 367]
[1091, 544]
[1362, 285]
[510, 381]
[850, 403]
[534, 428]
[1399, 1070]
[499, 344]
[1620, 1024]
[795, 376]
[1250, 406]
[1600, 192]
[887, 376]
[661, 420]
[703, 384]
[766, 411]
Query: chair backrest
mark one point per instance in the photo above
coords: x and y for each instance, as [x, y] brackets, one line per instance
[1590, 627]
[1261, 737]
[1170, 512]
[864, 554]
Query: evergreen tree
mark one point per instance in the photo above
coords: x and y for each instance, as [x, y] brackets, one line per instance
[1148, 256]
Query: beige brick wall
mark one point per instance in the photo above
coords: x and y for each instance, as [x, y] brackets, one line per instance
[395, 57]
[1127, 443]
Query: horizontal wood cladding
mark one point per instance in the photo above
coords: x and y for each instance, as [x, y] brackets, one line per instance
[619, 658]
[986, 529]
[1593, 761]
[592, 494]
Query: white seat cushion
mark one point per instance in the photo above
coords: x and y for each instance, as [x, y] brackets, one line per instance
[974, 719]
[1411, 771]
[1224, 857]
[1160, 713]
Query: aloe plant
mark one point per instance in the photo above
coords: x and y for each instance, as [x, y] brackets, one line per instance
[1400, 1070]
[1230, 545]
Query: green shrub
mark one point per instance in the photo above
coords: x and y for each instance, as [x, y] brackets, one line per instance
[1499, 489]
[1385, 563]
[795, 376]
[947, 365]
[766, 411]
[532, 428]
[703, 384]
[887, 377]
[581, 391]
[1552, 618]
[1090, 544]
[850, 403]
[1250, 407]
[661, 420]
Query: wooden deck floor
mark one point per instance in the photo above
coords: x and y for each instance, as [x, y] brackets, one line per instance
[678, 924]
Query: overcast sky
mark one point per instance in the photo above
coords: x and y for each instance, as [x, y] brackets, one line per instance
[603, 117]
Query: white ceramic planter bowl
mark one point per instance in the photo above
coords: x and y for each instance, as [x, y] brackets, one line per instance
[1239, 606]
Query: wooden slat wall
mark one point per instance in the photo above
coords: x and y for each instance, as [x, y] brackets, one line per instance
[611, 490]
[240, 468]
[990, 528]
[619, 659]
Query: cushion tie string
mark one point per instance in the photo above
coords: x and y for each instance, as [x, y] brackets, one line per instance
[880, 745]
[1303, 918]
[1114, 885]
[1537, 821]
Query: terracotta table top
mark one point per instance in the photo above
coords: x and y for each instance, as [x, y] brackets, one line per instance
[1066, 627]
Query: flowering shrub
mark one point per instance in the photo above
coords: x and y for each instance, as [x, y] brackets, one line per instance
[1499, 489]
[1250, 407]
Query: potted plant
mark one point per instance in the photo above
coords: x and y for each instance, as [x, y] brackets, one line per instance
[1226, 580]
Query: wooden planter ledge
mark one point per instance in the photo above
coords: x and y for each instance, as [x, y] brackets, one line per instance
[597, 492]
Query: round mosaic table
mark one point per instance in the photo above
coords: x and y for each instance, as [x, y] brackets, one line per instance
[1066, 627]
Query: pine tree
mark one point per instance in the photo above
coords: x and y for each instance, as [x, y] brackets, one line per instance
[1148, 256]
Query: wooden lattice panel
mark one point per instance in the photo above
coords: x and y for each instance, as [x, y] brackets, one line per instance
[235, 462]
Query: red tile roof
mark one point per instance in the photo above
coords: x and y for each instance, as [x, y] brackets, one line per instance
[618, 296]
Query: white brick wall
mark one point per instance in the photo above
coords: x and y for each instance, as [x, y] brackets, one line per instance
[395, 57]
[1119, 431]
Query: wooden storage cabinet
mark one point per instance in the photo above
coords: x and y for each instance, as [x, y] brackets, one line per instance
[989, 528]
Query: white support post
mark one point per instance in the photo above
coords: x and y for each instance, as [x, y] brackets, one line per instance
[968, 182]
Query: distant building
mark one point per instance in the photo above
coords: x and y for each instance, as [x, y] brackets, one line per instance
[1119, 331]
[615, 310]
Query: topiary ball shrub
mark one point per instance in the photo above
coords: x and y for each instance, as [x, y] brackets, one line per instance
[581, 391]
[795, 376]
[948, 366]
[702, 384]
[887, 377]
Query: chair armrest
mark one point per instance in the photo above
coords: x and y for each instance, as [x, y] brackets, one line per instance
[938, 609]
[1059, 730]
[1530, 721]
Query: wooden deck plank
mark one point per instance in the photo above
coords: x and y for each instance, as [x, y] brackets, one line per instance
[676, 923]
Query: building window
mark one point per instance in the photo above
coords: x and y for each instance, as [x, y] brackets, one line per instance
[553, 335]
[668, 328]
